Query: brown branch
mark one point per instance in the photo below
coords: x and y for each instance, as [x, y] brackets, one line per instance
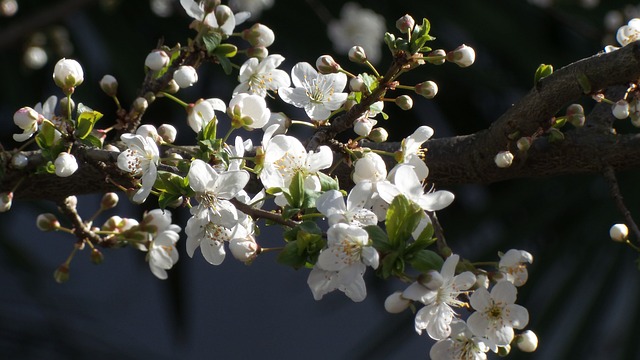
[80, 229]
[263, 214]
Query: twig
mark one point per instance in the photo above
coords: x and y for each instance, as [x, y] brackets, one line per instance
[441, 242]
[80, 229]
[262, 214]
[614, 188]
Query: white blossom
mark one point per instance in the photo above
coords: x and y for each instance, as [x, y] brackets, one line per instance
[203, 111]
[259, 76]
[629, 33]
[140, 158]
[406, 182]
[254, 7]
[249, 111]
[28, 120]
[461, 345]
[318, 94]
[331, 204]
[162, 252]
[512, 263]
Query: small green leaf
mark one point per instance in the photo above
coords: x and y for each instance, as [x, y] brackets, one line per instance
[327, 182]
[560, 122]
[165, 199]
[46, 136]
[403, 216]
[296, 190]
[379, 238]
[542, 72]
[85, 123]
[555, 135]
[212, 41]
[226, 64]
[420, 36]
[226, 50]
[93, 141]
[424, 239]
[425, 260]
[209, 130]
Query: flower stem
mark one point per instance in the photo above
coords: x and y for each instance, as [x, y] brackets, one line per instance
[169, 96]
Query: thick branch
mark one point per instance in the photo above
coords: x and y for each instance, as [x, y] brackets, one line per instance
[456, 160]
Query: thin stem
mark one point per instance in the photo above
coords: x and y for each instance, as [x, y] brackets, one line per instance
[441, 242]
[614, 188]
[169, 96]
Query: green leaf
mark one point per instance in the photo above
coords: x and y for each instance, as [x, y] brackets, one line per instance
[296, 190]
[370, 81]
[209, 130]
[305, 243]
[226, 64]
[379, 238]
[212, 41]
[424, 239]
[46, 136]
[165, 199]
[559, 122]
[92, 140]
[420, 36]
[85, 123]
[403, 216]
[226, 50]
[327, 182]
[542, 72]
[425, 260]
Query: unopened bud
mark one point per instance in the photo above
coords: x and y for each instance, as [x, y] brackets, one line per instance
[140, 104]
[6, 199]
[404, 102]
[620, 109]
[258, 52]
[378, 135]
[395, 303]
[71, 201]
[357, 54]
[185, 76]
[19, 161]
[61, 275]
[504, 350]
[150, 131]
[210, 5]
[223, 13]
[96, 256]
[357, 84]
[109, 201]
[462, 56]
[523, 144]
[405, 24]
[168, 133]
[482, 280]
[619, 232]
[47, 222]
[68, 74]
[172, 87]
[428, 89]
[327, 65]
[157, 60]
[109, 85]
[437, 57]
[503, 159]
[65, 164]
[259, 35]
[527, 341]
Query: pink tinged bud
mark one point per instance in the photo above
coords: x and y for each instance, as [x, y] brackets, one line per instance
[109, 201]
[357, 54]
[259, 35]
[437, 57]
[462, 56]
[527, 341]
[363, 126]
[523, 144]
[620, 109]
[47, 222]
[327, 65]
[428, 89]
[96, 256]
[395, 303]
[68, 74]
[378, 135]
[185, 76]
[109, 85]
[244, 250]
[405, 24]
[61, 275]
[19, 161]
[503, 159]
[26, 117]
[575, 115]
[157, 60]
[404, 102]
[168, 133]
[357, 84]
[259, 52]
[619, 232]
[6, 199]
[65, 164]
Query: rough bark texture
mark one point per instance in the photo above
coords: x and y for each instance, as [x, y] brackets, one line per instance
[454, 160]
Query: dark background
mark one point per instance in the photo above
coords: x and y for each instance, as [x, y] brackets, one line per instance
[582, 292]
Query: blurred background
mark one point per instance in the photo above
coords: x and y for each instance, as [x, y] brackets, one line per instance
[583, 288]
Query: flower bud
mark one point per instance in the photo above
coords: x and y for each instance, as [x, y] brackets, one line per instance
[462, 56]
[503, 159]
[437, 57]
[527, 341]
[210, 5]
[223, 13]
[620, 109]
[26, 117]
[47, 222]
[168, 133]
[395, 303]
[172, 87]
[482, 280]
[244, 250]
[619, 232]
[357, 54]
[327, 65]
[68, 74]
[6, 199]
[109, 85]
[61, 275]
[157, 60]
[404, 102]
[432, 280]
[71, 201]
[428, 89]
[363, 126]
[258, 52]
[19, 161]
[357, 84]
[149, 131]
[523, 144]
[65, 164]
[378, 135]
[109, 201]
[185, 76]
[140, 104]
[405, 24]
[259, 35]
[504, 350]
[96, 256]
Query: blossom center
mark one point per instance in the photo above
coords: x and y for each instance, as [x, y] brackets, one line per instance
[318, 90]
